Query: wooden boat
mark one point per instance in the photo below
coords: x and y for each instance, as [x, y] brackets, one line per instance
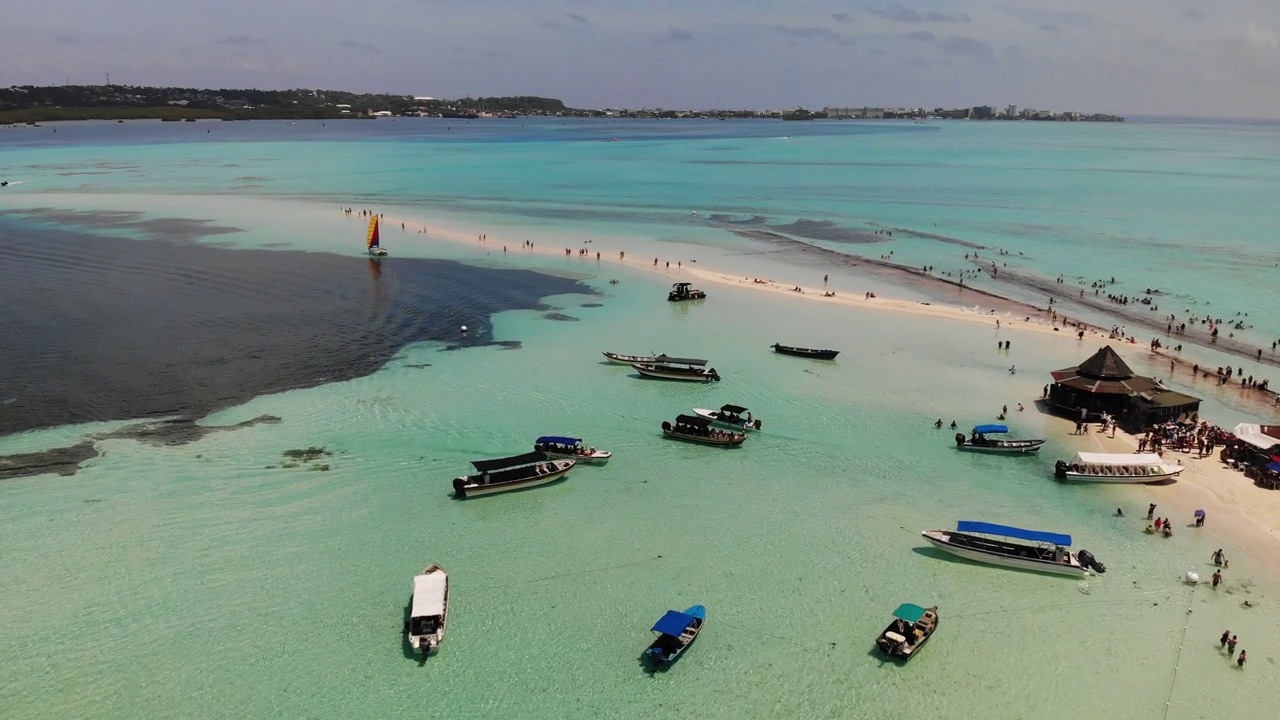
[979, 442]
[731, 415]
[987, 543]
[692, 428]
[669, 368]
[685, 291]
[557, 447]
[429, 610]
[1116, 468]
[514, 473]
[372, 239]
[805, 352]
[911, 628]
[675, 632]
[631, 359]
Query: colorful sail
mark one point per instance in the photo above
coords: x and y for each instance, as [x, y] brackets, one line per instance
[373, 233]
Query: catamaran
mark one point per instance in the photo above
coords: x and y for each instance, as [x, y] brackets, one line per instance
[429, 610]
[988, 543]
[1117, 468]
[375, 248]
[979, 442]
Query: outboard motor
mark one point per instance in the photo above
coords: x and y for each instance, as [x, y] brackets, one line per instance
[666, 426]
[458, 487]
[960, 439]
[756, 424]
[715, 375]
[1087, 560]
[1060, 469]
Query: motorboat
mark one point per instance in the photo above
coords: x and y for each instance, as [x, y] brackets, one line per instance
[685, 291]
[732, 415]
[1116, 468]
[911, 628]
[513, 473]
[979, 442]
[557, 447]
[805, 352]
[669, 368]
[692, 428]
[675, 632]
[429, 610]
[624, 359]
[992, 544]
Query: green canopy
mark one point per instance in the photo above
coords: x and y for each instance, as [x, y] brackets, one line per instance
[910, 613]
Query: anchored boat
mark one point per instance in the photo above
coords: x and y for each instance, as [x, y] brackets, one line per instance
[911, 628]
[1116, 468]
[692, 428]
[429, 610]
[554, 446]
[675, 632]
[990, 543]
[669, 368]
[732, 415]
[685, 291]
[513, 473]
[631, 359]
[979, 442]
[805, 352]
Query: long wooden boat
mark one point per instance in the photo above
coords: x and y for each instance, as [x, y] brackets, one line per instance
[979, 442]
[675, 632]
[685, 291]
[513, 473]
[567, 448]
[990, 543]
[429, 610]
[805, 352]
[911, 628]
[734, 416]
[1116, 468]
[625, 359]
[692, 428]
[669, 368]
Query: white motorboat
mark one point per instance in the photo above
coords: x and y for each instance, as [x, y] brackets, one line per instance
[514, 473]
[1117, 468]
[624, 359]
[987, 543]
[734, 416]
[669, 368]
[429, 610]
[569, 448]
[979, 442]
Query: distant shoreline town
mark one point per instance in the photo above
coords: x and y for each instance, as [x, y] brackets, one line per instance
[31, 104]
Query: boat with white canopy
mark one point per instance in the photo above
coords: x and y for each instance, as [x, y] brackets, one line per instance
[979, 442]
[513, 473]
[670, 368]
[429, 610]
[734, 416]
[992, 544]
[568, 448]
[1117, 468]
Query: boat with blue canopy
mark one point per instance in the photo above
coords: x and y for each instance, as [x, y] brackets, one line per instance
[979, 442]
[675, 632]
[992, 544]
[911, 628]
[560, 447]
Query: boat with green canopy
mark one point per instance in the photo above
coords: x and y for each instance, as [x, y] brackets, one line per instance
[911, 628]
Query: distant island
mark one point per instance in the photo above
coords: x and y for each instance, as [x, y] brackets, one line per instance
[31, 104]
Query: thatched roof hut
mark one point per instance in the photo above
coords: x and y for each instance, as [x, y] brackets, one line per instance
[1105, 383]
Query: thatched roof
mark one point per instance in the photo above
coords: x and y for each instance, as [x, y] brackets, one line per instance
[1105, 365]
[1105, 374]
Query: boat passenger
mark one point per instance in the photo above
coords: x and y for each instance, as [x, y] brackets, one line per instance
[938, 424]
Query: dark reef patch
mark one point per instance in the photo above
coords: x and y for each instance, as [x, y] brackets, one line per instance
[62, 460]
[591, 305]
[177, 431]
[101, 327]
[559, 316]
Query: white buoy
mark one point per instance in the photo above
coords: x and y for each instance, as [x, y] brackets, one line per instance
[464, 328]
[1191, 577]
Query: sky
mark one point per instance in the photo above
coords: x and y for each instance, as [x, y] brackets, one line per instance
[1157, 57]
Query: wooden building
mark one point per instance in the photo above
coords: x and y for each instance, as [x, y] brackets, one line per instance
[1105, 383]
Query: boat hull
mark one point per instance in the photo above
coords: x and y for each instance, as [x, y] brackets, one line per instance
[622, 359]
[651, 371]
[812, 354]
[1120, 479]
[940, 540]
[468, 488]
[731, 441]
[1032, 446]
[377, 252]
[599, 457]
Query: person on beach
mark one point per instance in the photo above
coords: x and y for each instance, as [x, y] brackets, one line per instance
[1158, 523]
[1218, 557]
[1217, 580]
[953, 424]
[938, 424]
[1226, 635]
[1240, 660]
[1119, 512]
[1151, 511]
[1231, 646]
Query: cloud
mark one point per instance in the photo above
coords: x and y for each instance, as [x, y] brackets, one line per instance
[1253, 54]
[568, 22]
[674, 35]
[921, 36]
[967, 47]
[358, 45]
[239, 40]
[1194, 14]
[842, 17]
[1056, 18]
[66, 40]
[812, 32]
[1050, 27]
[899, 13]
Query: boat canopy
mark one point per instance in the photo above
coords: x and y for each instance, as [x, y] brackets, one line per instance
[1273, 466]
[1120, 458]
[680, 284]
[984, 429]
[428, 595]
[910, 613]
[735, 409]
[1013, 532]
[673, 623]
[693, 420]
[556, 439]
[679, 361]
[514, 461]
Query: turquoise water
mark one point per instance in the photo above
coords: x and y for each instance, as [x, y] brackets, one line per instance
[207, 580]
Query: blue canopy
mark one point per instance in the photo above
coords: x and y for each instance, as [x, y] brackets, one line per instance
[558, 440]
[673, 623]
[910, 613]
[984, 429]
[1013, 532]
[1273, 466]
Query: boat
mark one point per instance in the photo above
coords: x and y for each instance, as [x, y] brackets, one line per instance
[375, 248]
[685, 291]
[979, 442]
[911, 628]
[669, 368]
[731, 415]
[805, 352]
[429, 610]
[698, 429]
[1116, 468]
[632, 359]
[986, 543]
[559, 448]
[675, 632]
[513, 473]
